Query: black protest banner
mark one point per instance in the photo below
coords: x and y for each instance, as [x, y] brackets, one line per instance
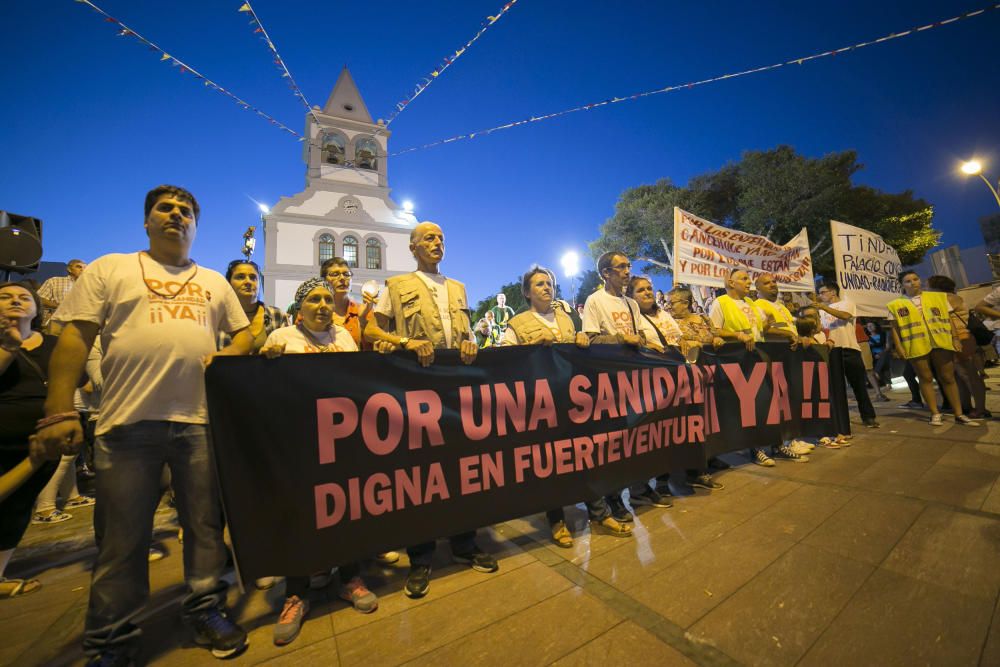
[327, 458]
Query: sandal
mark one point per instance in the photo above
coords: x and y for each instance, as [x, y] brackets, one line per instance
[611, 526]
[19, 587]
[561, 535]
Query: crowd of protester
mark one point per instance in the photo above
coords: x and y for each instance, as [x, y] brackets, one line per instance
[119, 394]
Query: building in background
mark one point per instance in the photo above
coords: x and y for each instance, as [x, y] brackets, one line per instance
[345, 210]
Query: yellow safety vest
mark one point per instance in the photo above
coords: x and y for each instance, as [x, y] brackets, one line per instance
[925, 328]
[779, 313]
[530, 330]
[735, 319]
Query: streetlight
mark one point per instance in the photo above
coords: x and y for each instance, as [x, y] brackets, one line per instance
[975, 168]
[571, 266]
[264, 209]
[408, 206]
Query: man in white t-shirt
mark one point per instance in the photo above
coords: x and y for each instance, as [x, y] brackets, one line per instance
[611, 317]
[836, 316]
[420, 312]
[158, 314]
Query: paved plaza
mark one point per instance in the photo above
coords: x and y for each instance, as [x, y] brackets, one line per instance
[884, 553]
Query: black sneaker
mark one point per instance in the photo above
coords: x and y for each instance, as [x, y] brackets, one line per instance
[705, 481]
[650, 498]
[785, 453]
[480, 561]
[213, 629]
[114, 657]
[618, 510]
[418, 581]
[871, 423]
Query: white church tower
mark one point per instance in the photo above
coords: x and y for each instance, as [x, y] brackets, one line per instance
[345, 210]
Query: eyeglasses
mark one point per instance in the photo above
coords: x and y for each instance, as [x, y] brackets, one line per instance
[338, 274]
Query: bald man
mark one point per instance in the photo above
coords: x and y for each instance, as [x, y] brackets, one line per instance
[421, 312]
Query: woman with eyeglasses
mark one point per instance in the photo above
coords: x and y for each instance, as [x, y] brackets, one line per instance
[346, 313]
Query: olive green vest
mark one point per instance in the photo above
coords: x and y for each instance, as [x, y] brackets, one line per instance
[415, 312]
[531, 331]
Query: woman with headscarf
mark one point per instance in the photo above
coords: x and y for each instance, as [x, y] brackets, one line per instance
[316, 332]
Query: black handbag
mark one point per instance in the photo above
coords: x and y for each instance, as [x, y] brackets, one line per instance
[980, 333]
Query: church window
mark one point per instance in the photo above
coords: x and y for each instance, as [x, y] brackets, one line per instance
[326, 250]
[351, 251]
[373, 254]
[366, 154]
[333, 149]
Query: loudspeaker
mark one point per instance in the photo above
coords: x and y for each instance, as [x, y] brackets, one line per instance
[20, 242]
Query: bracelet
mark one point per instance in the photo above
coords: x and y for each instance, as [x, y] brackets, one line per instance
[45, 422]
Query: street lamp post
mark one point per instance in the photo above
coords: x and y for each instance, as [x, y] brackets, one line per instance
[975, 168]
[571, 266]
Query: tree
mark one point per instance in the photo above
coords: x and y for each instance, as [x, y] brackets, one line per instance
[590, 282]
[772, 193]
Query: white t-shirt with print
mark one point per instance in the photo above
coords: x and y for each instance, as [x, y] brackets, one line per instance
[157, 322]
[667, 325]
[438, 286]
[297, 342]
[604, 313]
[842, 333]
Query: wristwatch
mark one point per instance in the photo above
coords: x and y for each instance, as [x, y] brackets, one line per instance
[403, 341]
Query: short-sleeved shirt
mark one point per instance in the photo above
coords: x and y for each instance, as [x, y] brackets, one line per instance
[55, 289]
[296, 342]
[157, 322]
[547, 319]
[604, 313]
[438, 286]
[696, 327]
[842, 333]
[666, 325]
[753, 314]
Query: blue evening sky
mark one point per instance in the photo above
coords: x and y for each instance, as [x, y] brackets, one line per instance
[90, 120]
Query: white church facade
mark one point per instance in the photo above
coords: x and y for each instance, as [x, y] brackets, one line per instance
[345, 210]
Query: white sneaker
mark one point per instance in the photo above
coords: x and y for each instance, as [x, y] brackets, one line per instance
[801, 447]
[966, 421]
[936, 420]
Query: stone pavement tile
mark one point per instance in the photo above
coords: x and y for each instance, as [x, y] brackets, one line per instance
[992, 502]
[749, 499]
[892, 474]
[321, 653]
[954, 485]
[897, 620]
[979, 456]
[921, 446]
[625, 644]
[868, 443]
[991, 652]
[648, 553]
[530, 637]
[867, 527]
[401, 637]
[951, 549]
[447, 578]
[702, 580]
[317, 628]
[777, 616]
[795, 515]
[13, 652]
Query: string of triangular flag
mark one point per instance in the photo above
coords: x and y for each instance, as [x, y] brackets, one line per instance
[184, 68]
[260, 30]
[447, 62]
[686, 86]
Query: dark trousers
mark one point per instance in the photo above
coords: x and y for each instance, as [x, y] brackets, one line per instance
[300, 585]
[910, 376]
[847, 363]
[423, 554]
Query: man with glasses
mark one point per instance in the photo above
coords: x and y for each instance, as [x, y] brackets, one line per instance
[611, 317]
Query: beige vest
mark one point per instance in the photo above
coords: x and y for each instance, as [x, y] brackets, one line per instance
[415, 312]
[531, 331]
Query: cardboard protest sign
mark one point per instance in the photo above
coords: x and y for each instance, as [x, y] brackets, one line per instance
[705, 253]
[867, 268]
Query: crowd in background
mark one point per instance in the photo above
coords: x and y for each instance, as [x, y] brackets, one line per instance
[102, 382]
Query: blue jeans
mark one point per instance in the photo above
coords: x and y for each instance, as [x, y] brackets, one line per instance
[129, 461]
